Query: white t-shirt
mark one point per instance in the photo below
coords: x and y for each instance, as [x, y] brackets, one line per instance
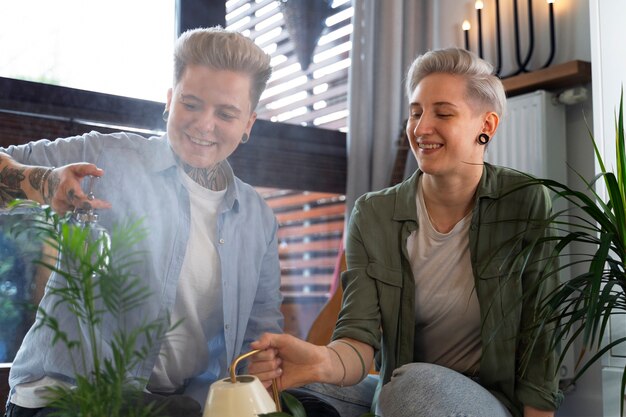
[184, 353]
[446, 306]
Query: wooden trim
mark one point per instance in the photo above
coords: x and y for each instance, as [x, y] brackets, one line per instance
[79, 105]
[568, 74]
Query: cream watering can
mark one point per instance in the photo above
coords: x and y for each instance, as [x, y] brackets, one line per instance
[240, 396]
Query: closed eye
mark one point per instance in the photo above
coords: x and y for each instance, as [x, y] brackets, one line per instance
[227, 116]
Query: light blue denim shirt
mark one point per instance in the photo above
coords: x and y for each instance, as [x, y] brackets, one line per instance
[141, 181]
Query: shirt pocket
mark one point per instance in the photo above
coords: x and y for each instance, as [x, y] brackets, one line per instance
[501, 267]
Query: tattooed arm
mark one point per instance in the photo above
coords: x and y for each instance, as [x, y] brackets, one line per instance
[58, 187]
[20, 181]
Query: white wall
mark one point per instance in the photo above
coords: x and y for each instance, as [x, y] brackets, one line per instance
[609, 68]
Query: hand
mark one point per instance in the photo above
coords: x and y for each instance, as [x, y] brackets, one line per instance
[292, 361]
[62, 190]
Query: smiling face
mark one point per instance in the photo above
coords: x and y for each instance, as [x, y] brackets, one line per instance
[209, 112]
[443, 126]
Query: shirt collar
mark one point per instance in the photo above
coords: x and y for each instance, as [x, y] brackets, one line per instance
[406, 209]
[489, 186]
[159, 157]
[405, 205]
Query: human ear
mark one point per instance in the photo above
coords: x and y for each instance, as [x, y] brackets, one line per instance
[490, 125]
[169, 99]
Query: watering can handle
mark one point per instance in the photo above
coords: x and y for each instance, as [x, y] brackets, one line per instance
[233, 376]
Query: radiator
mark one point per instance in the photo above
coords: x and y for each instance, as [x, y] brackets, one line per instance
[531, 138]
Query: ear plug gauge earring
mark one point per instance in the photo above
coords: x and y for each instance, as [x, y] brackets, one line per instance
[483, 139]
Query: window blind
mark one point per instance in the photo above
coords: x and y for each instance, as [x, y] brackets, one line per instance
[311, 223]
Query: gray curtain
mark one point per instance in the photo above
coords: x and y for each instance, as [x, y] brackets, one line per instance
[387, 35]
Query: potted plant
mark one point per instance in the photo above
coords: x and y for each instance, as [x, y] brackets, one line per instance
[96, 284]
[581, 307]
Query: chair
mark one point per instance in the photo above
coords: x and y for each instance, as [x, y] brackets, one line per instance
[322, 328]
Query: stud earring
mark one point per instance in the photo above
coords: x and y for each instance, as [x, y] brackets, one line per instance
[483, 139]
[245, 138]
[166, 115]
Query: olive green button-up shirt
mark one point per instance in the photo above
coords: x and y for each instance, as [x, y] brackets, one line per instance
[379, 290]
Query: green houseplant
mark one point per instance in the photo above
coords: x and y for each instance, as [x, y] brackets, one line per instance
[590, 237]
[98, 287]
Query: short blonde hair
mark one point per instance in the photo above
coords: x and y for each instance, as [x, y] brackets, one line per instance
[222, 49]
[482, 84]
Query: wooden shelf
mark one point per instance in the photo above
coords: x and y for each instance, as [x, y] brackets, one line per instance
[569, 74]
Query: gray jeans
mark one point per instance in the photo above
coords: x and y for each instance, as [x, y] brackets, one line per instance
[416, 390]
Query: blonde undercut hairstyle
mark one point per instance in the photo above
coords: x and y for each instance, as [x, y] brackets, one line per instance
[483, 86]
[222, 49]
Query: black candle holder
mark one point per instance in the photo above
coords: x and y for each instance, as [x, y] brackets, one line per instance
[466, 27]
[552, 34]
[479, 13]
[522, 61]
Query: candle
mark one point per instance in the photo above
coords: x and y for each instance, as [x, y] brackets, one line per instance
[479, 8]
[466, 28]
[552, 37]
[498, 40]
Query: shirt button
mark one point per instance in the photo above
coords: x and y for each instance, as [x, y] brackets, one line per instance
[226, 326]
[222, 241]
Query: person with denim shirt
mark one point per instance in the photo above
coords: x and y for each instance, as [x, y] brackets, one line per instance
[433, 289]
[211, 254]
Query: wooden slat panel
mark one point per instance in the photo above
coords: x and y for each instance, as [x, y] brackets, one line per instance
[314, 213]
[322, 228]
[293, 280]
[325, 245]
[300, 199]
[322, 262]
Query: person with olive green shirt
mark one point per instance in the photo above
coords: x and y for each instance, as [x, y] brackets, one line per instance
[433, 284]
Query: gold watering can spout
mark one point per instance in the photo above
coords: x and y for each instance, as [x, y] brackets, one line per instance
[233, 376]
